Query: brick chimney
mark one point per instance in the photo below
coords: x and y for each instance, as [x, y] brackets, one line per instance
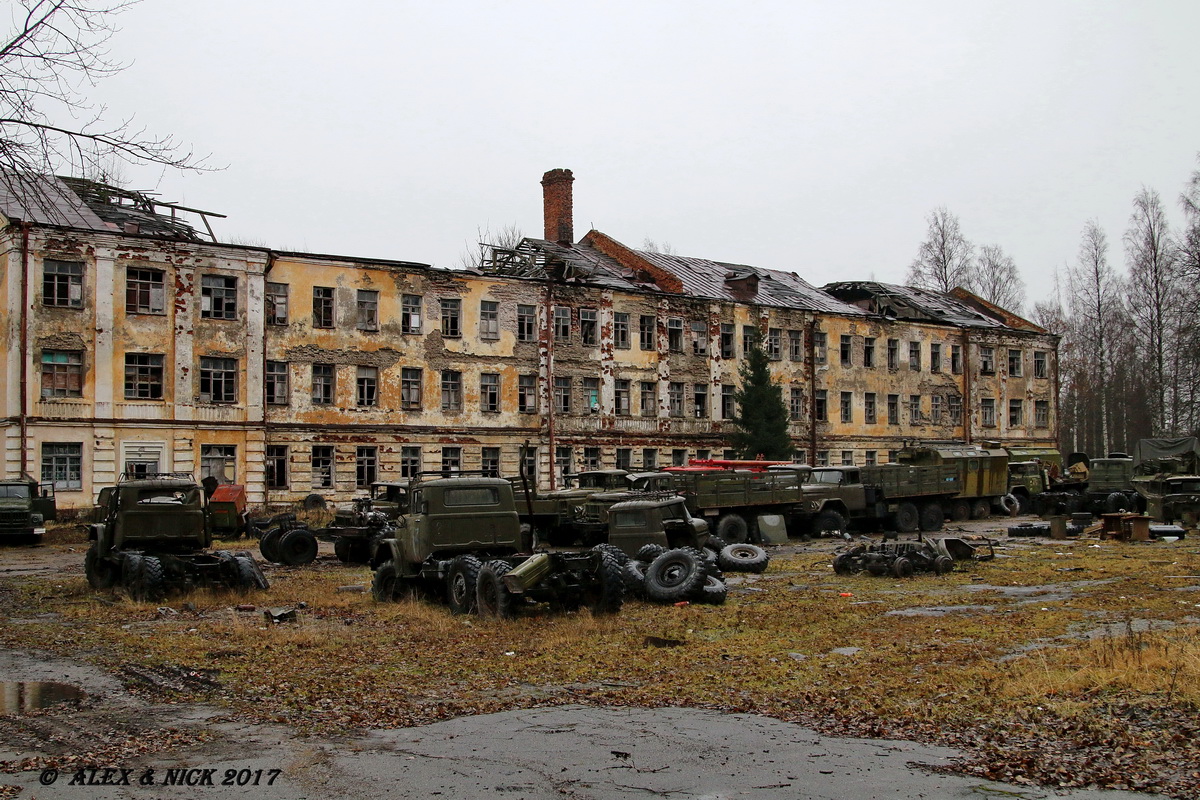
[556, 205]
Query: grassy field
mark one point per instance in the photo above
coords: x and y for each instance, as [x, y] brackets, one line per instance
[1063, 663]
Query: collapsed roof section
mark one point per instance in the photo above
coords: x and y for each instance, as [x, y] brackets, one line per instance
[911, 304]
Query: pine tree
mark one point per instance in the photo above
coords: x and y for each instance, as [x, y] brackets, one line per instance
[761, 418]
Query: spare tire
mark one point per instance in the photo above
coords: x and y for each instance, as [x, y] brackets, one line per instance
[1010, 505]
[492, 597]
[712, 592]
[617, 553]
[297, 547]
[268, 545]
[733, 528]
[649, 552]
[743, 558]
[1116, 503]
[633, 575]
[675, 575]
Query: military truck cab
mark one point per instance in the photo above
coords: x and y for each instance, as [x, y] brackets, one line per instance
[25, 507]
[663, 520]
[1172, 498]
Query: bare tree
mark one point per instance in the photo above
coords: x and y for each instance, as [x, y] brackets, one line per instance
[55, 50]
[1154, 301]
[1189, 245]
[994, 277]
[1095, 302]
[944, 258]
[505, 238]
[663, 248]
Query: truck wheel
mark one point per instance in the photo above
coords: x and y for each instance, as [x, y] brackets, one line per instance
[385, 583]
[150, 584]
[960, 510]
[733, 528]
[1024, 503]
[649, 552]
[131, 570]
[247, 574]
[101, 574]
[268, 545]
[675, 575]
[341, 549]
[932, 517]
[461, 580]
[492, 597]
[713, 592]
[297, 547]
[902, 568]
[617, 553]
[633, 575]
[827, 522]
[1115, 503]
[313, 502]
[1009, 505]
[943, 564]
[606, 595]
[743, 558]
[843, 564]
[980, 509]
[907, 518]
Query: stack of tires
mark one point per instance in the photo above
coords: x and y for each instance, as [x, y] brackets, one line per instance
[686, 574]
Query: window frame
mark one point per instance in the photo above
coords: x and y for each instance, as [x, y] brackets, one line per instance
[324, 312]
[62, 286]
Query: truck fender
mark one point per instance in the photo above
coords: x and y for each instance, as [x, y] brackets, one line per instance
[387, 550]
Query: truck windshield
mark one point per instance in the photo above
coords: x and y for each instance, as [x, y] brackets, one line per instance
[16, 490]
[1184, 487]
[833, 478]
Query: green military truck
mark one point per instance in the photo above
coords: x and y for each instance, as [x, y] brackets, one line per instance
[659, 519]
[1168, 479]
[25, 507]
[982, 473]
[463, 540]
[904, 497]
[151, 537]
[558, 517]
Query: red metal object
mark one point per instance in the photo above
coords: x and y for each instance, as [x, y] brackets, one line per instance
[230, 493]
[710, 464]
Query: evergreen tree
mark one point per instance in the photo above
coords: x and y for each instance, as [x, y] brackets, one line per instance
[761, 417]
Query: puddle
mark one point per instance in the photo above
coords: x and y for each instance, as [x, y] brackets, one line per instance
[21, 697]
[936, 611]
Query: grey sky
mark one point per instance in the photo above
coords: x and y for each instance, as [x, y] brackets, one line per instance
[807, 136]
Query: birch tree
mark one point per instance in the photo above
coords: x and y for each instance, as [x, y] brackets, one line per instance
[994, 277]
[944, 258]
[1095, 304]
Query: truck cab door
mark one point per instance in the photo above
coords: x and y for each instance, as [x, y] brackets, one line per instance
[44, 503]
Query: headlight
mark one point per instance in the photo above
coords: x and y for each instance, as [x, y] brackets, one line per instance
[36, 519]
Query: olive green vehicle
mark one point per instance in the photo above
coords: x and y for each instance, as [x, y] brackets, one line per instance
[661, 519]
[1171, 498]
[152, 537]
[904, 497]
[558, 516]
[982, 472]
[24, 508]
[464, 541]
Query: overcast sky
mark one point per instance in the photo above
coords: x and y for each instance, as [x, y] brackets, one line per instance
[805, 136]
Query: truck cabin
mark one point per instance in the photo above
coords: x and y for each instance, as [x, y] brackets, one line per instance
[159, 509]
[602, 479]
[390, 497]
[664, 521]
[834, 476]
[651, 482]
[800, 471]
[1182, 484]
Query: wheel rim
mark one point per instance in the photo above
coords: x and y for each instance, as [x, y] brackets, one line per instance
[458, 589]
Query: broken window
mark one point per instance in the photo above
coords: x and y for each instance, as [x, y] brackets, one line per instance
[562, 395]
[987, 412]
[410, 461]
[591, 395]
[1016, 413]
[451, 390]
[796, 345]
[675, 335]
[218, 380]
[451, 317]
[145, 292]
[62, 465]
[649, 399]
[621, 331]
[822, 458]
[914, 409]
[935, 409]
[796, 403]
[489, 392]
[893, 408]
[1014, 363]
[591, 458]
[562, 324]
[700, 400]
[587, 326]
[218, 297]
[728, 401]
[621, 398]
[846, 351]
[727, 341]
[276, 382]
[847, 406]
[62, 283]
[321, 466]
[489, 461]
[847, 458]
[749, 339]
[367, 386]
[527, 394]
[489, 319]
[410, 388]
[954, 405]
[870, 458]
[914, 356]
[323, 384]
[956, 365]
[275, 467]
[62, 373]
[277, 303]
[774, 344]
[323, 307]
[819, 346]
[675, 398]
[647, 332]
[935, 358]
[624, 458]
[869, 351]
[143, 376]
[451, 460]
[563, 458]
[699, 339]
[1041, 413]
[1039, 364]
[678, 457]
[368, 310]
[987, 361]
[893, 353]
[218, 461]
[870, 412]
[820, 405]
[526, 323]
[649, 458]
[529, 463]
[410, 313]
[366, 466]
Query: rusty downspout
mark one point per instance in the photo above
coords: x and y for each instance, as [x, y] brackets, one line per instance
[25, 355]
[547, 334]
[811, 358]
[966, 365]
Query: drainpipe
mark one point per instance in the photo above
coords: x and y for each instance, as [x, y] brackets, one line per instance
[812, 392]
[25, 355]
[548, 334]
[966, 346]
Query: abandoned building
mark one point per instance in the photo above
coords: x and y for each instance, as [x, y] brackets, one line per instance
[138, 343]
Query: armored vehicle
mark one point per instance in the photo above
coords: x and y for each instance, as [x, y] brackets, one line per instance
[24, 508]
[463, 540]
[152, 538]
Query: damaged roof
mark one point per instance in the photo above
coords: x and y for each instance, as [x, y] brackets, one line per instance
[909, 303]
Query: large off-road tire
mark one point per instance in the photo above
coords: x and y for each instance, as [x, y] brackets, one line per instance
[341, 548]
[743, 558]
[297, 547]
[492, 597]
[100, 572]
[712, 592]
[907, 518]
[733, 528]
[980, 509]
[827, 522]
[633, 575]
[714, 543]
[131, 570]
[247, 574]
[461, 579]
[607, 593]
[960, 510]
[675, 575]
[617, 553]
[932, 517]
[1010, 505]
[1116, 502]
[943, 564]
[843, 564]
[268, 545]
[1024, 503]
[649, 552]
[385, 585]
[313, 502]
[151, 584]
[902, 568]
